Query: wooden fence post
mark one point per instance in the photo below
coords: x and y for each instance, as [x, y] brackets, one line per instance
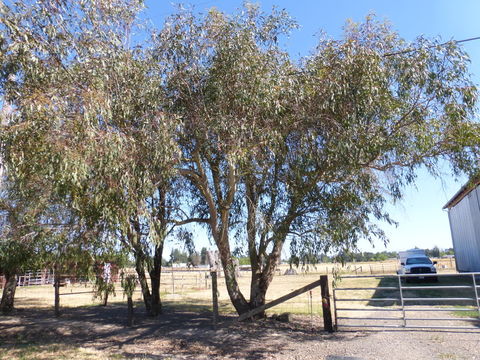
[327, 310]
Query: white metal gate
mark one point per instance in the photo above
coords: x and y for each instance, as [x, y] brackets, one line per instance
[405, 299]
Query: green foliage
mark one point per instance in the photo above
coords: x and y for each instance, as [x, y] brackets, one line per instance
[22, 236]
[244, 261]
[213, 122]
[434, 252]
[129, 282]
[87, 103]
[448, 251]
[84, 115]
[177, 257]
[102, 289]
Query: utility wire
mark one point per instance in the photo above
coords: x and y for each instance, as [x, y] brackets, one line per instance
[411, 50]
[432, 46]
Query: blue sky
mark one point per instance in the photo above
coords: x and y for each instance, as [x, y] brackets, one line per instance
[422, 222]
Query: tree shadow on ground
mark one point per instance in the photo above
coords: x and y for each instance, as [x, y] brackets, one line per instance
[185, 330]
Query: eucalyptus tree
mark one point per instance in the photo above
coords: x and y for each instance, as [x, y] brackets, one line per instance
[374, 109]
[86, 116]
[312, 151]
[226, 79]
[17, 244]
[38, 232]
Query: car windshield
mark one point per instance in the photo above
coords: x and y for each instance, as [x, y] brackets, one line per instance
[419, 260]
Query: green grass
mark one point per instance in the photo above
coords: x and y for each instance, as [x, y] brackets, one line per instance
[467, 313]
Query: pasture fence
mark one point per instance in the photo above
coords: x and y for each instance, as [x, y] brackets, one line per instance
[31, 278]
[177, 278]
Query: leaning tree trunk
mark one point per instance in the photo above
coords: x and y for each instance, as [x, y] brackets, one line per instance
[258, 291]
[8, 296]
[263, 265]
[219, 220]
[155, 276]
[147, 296]
[105, 298]
[140, 267]
[236, 296]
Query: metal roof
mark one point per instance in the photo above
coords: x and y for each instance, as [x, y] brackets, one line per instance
[464, 191]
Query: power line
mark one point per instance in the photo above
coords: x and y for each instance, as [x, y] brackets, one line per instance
[412, 50]
[432, 46]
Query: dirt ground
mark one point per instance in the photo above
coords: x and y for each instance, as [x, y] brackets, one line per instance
[97, 332]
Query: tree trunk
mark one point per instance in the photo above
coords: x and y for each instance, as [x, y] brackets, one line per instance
[8, 296]
[219, 209]
[56, 285]
[263, 265]
[147, 297]
[105, 298]
[258, 292]
[155, 276]
[130, 311]
[133, 238]
[236, 296]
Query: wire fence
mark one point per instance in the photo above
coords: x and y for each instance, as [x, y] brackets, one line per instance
[191, 289]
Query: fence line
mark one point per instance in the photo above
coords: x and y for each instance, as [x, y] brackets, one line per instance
[199, 277]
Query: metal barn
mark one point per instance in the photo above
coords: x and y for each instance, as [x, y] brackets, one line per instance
[464, 216]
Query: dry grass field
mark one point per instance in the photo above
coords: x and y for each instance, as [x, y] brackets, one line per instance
[187, 293]
[191, 289]
[89, 331]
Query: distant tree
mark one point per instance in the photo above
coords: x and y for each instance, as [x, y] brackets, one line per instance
[381, 256]
[194, 259]
[203, 256]
[449, 251]
[244, 261]
[178, 257]
[434, 252]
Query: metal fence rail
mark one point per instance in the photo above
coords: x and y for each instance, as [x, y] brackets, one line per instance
[400, 312]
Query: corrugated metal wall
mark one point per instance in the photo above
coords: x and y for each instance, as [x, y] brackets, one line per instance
[465, 227]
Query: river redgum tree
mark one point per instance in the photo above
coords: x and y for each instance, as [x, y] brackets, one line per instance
[270, 149]
[308, 151]
[85, 115]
